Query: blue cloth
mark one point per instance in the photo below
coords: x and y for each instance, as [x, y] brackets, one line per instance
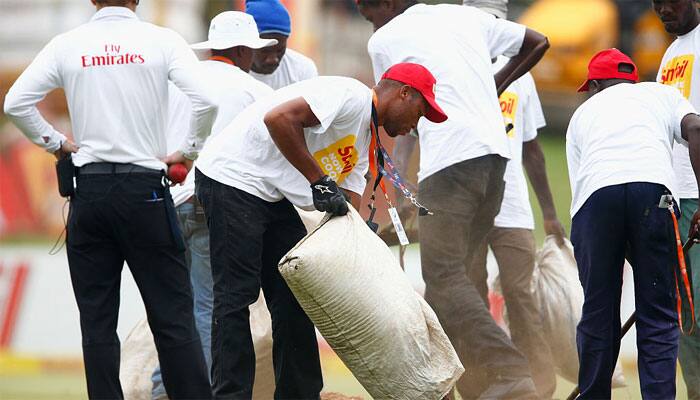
[616, 222]
[270, 16]
[196, 235]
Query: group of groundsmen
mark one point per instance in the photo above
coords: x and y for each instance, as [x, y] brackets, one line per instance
[261, 133]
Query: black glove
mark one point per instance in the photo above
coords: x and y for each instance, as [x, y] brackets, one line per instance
[327, 196]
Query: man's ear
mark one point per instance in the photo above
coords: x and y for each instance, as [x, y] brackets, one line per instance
[593, 86]
[405, 91]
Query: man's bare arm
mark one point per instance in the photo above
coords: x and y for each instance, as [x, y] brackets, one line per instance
[286, 124]
[534, 46]
[690, 130]
[534, 163]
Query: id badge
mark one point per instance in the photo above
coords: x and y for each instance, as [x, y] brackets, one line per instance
[398, 227]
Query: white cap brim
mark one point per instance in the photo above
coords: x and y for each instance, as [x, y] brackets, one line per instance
[221, 44]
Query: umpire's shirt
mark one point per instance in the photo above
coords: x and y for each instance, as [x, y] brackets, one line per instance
[114, 62]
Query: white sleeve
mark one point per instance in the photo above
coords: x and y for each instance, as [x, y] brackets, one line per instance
[502, 37]
[381, 61]
[533, 116]
[679, 107]
[310, 71]
[355, 181]
[183, 72]
[40, 77]
[331, 104]
[179, 116]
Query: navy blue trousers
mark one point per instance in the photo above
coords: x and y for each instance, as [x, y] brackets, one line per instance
[616, 222]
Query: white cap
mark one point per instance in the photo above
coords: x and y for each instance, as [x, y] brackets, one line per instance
[499, 8]
[231, 29]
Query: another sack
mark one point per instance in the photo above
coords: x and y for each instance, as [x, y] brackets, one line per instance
[139, 357]
[353, 289]
[138, 361]
[559, 295]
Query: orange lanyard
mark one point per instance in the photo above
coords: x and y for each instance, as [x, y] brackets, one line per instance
[375, 154]
[684, 275]
[222, 59]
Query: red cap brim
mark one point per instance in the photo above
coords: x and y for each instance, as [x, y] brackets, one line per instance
[434, 112]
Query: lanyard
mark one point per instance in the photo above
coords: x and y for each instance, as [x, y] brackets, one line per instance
[684, 276]
[381, 166]
[222, 59]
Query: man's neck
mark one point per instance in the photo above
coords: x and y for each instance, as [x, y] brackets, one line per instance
[691, 26]
[130, 6]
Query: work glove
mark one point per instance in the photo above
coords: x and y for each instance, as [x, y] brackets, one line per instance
[327, 197]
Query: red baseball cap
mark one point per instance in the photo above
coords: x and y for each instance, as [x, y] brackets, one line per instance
[606, 65]
[419, 78]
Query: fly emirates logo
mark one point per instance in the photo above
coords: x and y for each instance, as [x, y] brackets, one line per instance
[113, 55]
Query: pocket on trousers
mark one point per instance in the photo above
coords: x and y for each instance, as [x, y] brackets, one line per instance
[149, 224]
[83, 225]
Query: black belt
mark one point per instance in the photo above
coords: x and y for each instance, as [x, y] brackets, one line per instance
[114, 168]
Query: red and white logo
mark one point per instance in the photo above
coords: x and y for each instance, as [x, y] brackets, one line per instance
[112, 56]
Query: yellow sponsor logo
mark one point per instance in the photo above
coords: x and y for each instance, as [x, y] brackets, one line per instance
[678, 73]
[338, 159]
[509, 106]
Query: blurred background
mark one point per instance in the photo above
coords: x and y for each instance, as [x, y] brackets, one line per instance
[39, 327]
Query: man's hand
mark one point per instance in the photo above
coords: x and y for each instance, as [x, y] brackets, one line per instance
[67, 148]
[327, 197]
[178, 158]
[693, 232]
[554, 227]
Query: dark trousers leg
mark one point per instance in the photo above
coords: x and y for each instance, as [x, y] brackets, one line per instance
[652, 257]
[295, 349]
[465, 198]
[598, 236]
[163, 279]
[123, 212]
[236, 223]
[95, 263]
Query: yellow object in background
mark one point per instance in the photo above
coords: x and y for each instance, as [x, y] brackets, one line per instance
[577, 29]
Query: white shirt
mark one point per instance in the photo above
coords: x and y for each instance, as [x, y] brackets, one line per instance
[457, 44]
[677, 70]
[233, 91]
[115, 71]
[294, 67]
[244, 156]
[624, 134]
[522, 110]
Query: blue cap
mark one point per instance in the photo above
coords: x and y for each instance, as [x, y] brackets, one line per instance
[270, 16]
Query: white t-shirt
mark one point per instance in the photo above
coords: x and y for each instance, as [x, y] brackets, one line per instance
[232, 90]
[294, 67]
[244, 155]
[457, 44]
[677, 70]
[115, 71]
[624, 134]
[522, 110]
